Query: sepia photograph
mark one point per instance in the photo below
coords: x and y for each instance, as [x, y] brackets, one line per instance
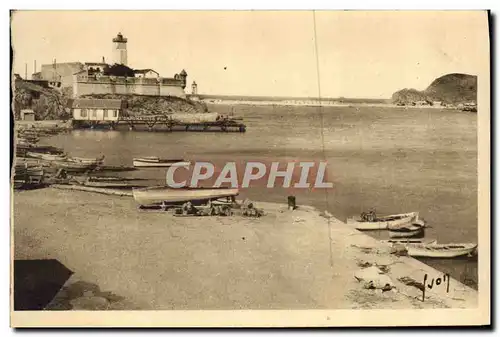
[249, 168]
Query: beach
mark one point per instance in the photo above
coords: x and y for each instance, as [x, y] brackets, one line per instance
[284, 260]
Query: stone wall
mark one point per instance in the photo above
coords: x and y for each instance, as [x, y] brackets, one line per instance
[84, 85]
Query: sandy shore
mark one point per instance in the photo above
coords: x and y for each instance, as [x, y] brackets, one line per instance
[284, 260]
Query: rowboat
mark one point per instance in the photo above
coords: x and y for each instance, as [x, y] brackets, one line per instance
[408, 241]
[46, 156]
[413, 229]
[158, 195]
[73, 166]
[383, 222]
[158, 162]
[82, 160]
[437, 250]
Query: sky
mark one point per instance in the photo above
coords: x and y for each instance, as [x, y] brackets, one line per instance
[264, 53]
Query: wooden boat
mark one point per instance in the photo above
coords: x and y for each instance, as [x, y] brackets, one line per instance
[158, 162]
[82, 160]
[90, 182]
[46, 156]
[383, 222]
[158, 195]
[413, 229]
[106, 184]
[437, 250]
[408, 241]
[73, 166]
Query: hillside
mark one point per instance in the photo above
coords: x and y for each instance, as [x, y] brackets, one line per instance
[450, 89]
[139, 105]
[47, 103]
[51, 104]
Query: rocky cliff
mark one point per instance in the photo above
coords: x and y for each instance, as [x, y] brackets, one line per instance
[449, 89]
[138, 105]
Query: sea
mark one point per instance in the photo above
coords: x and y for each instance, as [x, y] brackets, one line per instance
[393, 160]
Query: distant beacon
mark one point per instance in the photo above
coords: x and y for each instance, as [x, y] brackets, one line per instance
[120, 49]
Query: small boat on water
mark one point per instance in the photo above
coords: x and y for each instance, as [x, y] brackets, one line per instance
[413, 229]
[73, 166]
[82, 160]
[159, 195]
[440, 250]
[158, 162]
[372, 222]
[406, 241]
[46, 156]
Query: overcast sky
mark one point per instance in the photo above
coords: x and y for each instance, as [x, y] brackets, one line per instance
[361, 54]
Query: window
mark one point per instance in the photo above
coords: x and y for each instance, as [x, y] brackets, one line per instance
[83, 113]
[115, 113]
[105, 113]
[94, 113]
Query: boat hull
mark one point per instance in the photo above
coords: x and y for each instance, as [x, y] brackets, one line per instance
[411, 233]
[140, 163]
[87, 161]
[158, 195]
[411, 230]
[46, 156]
[384, 222]
[440, 250]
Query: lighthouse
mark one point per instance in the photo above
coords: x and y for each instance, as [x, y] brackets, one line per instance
[120, 49]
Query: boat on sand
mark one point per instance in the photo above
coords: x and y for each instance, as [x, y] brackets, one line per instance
[158, 162]
[159, 195]
[412, 229]
[371, 221]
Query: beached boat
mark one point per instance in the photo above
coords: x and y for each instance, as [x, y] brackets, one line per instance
[46, 156]
[378, 223]
[437, 250]
[158, 195]
[158, 162]
[412, 229]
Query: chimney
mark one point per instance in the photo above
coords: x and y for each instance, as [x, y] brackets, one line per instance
[103, 60]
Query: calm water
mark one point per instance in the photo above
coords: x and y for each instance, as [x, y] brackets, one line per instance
[395, 160]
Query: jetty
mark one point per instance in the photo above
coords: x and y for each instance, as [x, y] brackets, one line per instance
[167, 124]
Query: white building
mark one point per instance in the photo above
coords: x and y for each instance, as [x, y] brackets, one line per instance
[146, 73]
[97, 109]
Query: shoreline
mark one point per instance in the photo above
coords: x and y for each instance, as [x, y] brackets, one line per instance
[286, 259]
[323, 104]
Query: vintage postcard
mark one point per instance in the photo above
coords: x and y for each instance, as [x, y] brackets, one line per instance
[250, 168]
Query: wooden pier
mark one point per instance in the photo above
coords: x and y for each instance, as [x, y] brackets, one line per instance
[162, 123]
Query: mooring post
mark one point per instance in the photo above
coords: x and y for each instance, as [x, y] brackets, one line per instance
[291, 203]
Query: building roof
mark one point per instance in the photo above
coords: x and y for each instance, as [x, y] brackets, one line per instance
[144, 71]
[89, 103]
[183, 72]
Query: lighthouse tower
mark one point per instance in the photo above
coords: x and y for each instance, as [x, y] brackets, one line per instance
[120, 49]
